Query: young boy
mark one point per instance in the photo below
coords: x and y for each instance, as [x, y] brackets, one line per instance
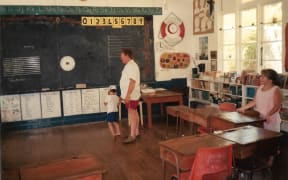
[111, 102]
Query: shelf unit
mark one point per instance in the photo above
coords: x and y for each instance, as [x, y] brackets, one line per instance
[244, 92]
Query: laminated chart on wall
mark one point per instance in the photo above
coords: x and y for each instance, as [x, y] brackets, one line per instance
[103, 93]
[10, 108]
[30, 106]
[90, 101]
[72, 102]
[51, 104]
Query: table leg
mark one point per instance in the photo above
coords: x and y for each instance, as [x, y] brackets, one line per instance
[149, 111]
[164, 169]
[180, 101]
[167, 116]
[162, 109]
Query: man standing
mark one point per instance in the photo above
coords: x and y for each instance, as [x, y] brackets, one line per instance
[130, 92]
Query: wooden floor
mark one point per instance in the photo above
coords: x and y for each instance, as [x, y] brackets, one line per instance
[139, 161]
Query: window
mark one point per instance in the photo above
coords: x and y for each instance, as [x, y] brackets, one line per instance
[271, 44]
[248, 42]
[256, 43]
[229, 50]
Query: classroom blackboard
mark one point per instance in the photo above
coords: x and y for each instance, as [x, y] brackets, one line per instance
[32, 47]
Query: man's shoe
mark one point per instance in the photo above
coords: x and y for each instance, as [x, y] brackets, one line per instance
[129, 140]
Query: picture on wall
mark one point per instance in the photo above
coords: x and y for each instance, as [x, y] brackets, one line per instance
[203, 48]
[203, 16]
[213, 55]
[213, 65]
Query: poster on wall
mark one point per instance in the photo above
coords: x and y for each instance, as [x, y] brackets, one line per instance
[172, 30]
[203, 45]
[103, 92]
[90, 101]
[203, 16]
[10, 108]
[50, 104]
[31, 106]
[71, 102]
[174, 60]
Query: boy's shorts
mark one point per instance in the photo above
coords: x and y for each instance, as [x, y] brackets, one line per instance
[112, 117]
[132, 104]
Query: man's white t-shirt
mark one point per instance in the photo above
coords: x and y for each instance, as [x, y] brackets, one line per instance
[112, 103]
[130, 71]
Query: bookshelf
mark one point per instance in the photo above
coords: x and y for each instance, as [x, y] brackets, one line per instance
[201, 91]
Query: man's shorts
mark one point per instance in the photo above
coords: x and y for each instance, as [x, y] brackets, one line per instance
[112, 117]
[132, 104]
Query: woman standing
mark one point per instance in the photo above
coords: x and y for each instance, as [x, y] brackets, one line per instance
[268, 100]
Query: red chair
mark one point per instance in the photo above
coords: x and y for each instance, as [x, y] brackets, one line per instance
[226, 106]
[210, 163]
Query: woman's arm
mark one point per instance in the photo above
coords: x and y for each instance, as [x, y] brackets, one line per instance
[247, 106]
[277, 104]
[130, 90]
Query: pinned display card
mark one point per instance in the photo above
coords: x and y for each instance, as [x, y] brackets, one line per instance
[103, 93]
[90, 101]
[72, 102]
[10, 108]
[50, 104]
[30, 106]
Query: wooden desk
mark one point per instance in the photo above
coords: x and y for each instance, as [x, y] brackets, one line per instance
[229, 120]
[164, 96]
[247, 139]
[180, 152]
[79, 168]
[174, 112]
[198, 116]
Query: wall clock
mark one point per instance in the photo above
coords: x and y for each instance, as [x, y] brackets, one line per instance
[67, 63]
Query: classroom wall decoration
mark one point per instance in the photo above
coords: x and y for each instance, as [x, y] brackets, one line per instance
[203, 16]
[10, 108]
[50, 104]
[71, 102]
[203, 48]
[116, 22]
[103, 92]
[172, 30]
[90, 101]
[31, 106]
[174, 60]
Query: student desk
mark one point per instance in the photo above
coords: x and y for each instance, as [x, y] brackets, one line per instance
[199, 116]
[174, 111]
[249, 139]
[228, 120]
[83, 167]
[160, 97]
[180, 152]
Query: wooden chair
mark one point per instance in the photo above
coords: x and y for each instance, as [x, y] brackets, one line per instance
[227, 106]
[210, 163]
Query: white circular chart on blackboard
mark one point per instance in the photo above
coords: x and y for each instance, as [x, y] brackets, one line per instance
[67, 63]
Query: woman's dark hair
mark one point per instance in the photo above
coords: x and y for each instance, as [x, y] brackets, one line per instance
[271, 75]
[127, 52]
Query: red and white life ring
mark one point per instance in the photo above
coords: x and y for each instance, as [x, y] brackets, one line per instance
[172, 30]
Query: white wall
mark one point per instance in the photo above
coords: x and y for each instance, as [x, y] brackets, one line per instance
[184, 10]
[111, 3]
